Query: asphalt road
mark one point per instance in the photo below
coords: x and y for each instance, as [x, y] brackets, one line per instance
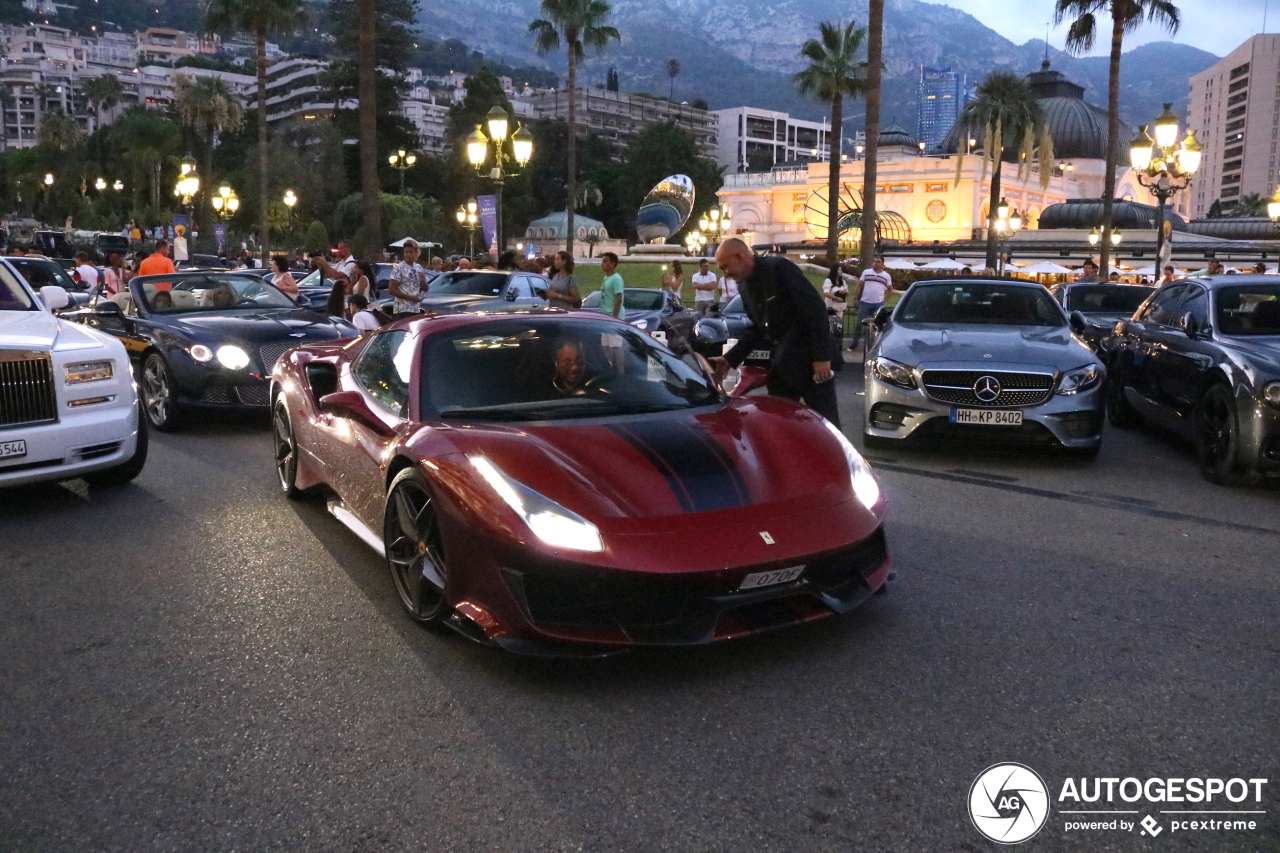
[195, 663]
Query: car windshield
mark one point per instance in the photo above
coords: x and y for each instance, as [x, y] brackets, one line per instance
[42, 272]
[735, 306]
[210, 293]
[13, 296]
[979, 303]
[1252, 309]
[469, 283]
[1107, 299]
[547, 368]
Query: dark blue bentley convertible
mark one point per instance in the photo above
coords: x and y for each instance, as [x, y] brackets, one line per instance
[206, 340]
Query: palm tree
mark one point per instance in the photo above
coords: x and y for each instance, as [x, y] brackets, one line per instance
[1126, 16]
[207, 106]
[1006, 109]
[833, 72]
[673, 71]
[875, 68]
[258, 17]
[578, 22]
[102, 94]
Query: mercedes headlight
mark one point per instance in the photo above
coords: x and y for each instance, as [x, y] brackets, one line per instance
[200, 352]
[87, 371]
[893, 373]
[550, 522]
[1080, 379]
[865, 487]
[232, 357]
[1271, 393]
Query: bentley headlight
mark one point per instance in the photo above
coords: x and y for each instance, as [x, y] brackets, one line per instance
[200, 352]
[1080, 379]
[893, 373]
[233, 358]
[1271, 393]
[550, 522]
[865, 487]
[87, 371]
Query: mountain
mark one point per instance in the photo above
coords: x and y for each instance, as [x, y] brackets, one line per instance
[736, 52]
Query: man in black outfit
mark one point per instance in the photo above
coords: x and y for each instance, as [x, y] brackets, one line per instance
[788, 314]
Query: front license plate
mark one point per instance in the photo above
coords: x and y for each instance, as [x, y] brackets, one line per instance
[13, 449]
[987, 417]
[772, 578]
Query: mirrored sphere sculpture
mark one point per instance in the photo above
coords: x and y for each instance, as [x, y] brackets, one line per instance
[665, 209]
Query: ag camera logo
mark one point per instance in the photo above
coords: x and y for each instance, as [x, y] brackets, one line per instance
[1008, 803]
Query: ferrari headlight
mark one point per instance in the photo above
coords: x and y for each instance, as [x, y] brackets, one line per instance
[1271, 393]
[233, 358]
[87, 371]
[893, 373]
[865, 487]
[550, 522]
[200, 352]
[1080, 379]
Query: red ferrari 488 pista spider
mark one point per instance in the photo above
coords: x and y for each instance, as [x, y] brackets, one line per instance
[557, 483]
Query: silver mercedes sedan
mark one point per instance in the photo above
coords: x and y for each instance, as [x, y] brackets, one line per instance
[981, 360]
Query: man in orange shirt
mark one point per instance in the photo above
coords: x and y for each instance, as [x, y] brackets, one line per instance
[158, 263]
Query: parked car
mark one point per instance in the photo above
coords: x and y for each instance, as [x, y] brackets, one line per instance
[1202, 358]
[992, 361]
[527, 478]
[67, 403]
[206, 340]
[1101, 306]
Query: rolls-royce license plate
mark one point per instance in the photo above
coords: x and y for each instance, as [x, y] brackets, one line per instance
[772, 578]
[13, 449]
[987, 417]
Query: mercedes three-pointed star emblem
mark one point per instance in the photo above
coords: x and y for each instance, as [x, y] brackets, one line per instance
[987, 389]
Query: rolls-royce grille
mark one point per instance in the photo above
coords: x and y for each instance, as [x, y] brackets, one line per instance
[27, 394]
[270, 353]
[988, 388]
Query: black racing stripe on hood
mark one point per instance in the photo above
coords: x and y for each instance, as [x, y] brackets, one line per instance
[702, 476]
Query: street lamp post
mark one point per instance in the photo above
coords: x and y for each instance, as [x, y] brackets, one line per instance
[478, 145]
[1163, 166]
[467, 218]
[402, 161]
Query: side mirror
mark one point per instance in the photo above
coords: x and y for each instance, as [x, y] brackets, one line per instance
[54, 297]
[351, 406]
[107, 308]
[1078, 322]
[711, 331]
[1191, 325]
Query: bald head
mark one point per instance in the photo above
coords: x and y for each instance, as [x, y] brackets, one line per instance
[735, 259]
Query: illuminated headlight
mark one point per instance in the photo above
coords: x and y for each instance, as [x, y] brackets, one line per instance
[865, 487]
[87, 371]
[1271, 393]
[1080, 379]
[233, 358]
[200, 352]
[893, 373]
[550, 522]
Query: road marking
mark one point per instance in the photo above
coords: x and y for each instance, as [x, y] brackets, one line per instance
[1110, 504]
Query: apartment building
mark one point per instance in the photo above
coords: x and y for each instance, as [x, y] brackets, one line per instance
[1234, 107]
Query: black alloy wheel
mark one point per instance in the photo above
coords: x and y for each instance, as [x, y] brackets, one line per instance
[286, 448]
[415, 548]
[159, 398]
[1217, 435]
[1120, 412]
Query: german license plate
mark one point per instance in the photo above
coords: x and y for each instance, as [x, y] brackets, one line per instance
[758, 355]
[13, 449]
[987, 417]
[777, 576]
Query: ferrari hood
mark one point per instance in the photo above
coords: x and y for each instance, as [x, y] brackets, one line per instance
[931, 345]
[710, 466]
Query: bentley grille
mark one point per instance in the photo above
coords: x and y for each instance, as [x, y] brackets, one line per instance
[27, 394]
[961, 387]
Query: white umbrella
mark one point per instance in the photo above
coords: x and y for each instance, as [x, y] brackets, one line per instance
[1046, 268]
[943, 264]
[899, 264]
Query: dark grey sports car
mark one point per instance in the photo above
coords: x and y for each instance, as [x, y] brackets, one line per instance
[1202, 358]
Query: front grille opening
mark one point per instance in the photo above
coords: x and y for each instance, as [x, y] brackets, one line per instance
[96, 450]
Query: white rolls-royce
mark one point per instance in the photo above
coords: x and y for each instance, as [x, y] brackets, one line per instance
[68, 406]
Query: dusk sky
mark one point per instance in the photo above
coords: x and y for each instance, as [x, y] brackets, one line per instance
[1218, 26]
